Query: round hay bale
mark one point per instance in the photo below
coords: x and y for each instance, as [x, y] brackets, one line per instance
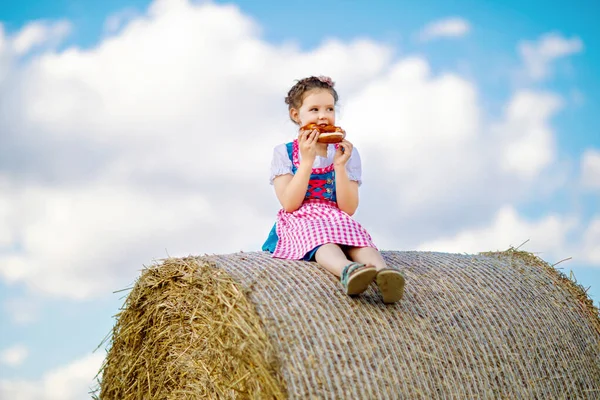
[245, 325]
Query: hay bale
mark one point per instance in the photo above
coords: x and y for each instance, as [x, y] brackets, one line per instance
[244, 325]
[188, 331]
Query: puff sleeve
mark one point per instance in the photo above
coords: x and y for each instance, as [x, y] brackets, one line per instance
[354, 167]
[281, 163]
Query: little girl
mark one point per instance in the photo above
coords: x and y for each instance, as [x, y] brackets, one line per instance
[317, 186]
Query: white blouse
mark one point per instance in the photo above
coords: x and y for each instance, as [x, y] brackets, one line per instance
[282, 165]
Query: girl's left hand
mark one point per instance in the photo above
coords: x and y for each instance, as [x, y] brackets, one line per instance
[342, 154]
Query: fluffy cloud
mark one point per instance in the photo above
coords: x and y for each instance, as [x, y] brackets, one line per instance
[527, 137]
[449, 28]
[15, 355]
[5, 56]
[538, 56]
[71, 382]
[143, 147]
[116, 21]
[591, 239]
[548, 235]
[158, 142]
[590, 169]
[82, 242]
[444, 162]
[35, 34]
[418, 128]
[6, 231]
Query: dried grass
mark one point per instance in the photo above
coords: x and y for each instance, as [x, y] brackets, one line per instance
[188, 331]
[493, 325]
[579, 293]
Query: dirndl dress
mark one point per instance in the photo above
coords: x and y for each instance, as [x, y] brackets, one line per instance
[297, 235]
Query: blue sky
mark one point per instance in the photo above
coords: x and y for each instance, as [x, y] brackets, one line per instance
[506, 23]
[62, 328]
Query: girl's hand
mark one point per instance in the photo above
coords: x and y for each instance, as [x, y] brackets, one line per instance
[307, 142]
[342, 154]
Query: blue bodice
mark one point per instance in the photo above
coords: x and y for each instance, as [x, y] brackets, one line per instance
[321, 186]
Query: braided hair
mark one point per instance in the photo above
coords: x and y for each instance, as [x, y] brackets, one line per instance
[296, 95]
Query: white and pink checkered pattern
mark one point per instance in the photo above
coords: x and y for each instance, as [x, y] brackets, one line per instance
[315, 223]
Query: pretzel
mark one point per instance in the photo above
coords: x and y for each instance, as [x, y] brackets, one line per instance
[327, 133]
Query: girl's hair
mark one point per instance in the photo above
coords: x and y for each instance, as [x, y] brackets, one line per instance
[297, 93]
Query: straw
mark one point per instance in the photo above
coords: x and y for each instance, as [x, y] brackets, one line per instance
[246, 325]
[187, 331]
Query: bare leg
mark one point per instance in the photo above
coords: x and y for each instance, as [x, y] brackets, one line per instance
[331, 257]
[368, 256]
[390, 282]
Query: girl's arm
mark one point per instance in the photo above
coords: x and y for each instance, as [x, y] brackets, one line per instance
[291, 189]
[346, 191]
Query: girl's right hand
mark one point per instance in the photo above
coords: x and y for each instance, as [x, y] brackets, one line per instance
[307, 142]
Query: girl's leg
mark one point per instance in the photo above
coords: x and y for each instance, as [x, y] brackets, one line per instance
[331, 257]
[390, 281]
[355, 278]
[368, 256]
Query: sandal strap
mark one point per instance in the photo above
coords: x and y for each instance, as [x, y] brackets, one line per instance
[348, 270]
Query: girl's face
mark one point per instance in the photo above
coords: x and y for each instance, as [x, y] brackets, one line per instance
[318, 107]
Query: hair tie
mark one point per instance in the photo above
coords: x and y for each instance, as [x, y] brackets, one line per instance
[326, 80]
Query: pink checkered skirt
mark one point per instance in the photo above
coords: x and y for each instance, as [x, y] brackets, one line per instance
[315, 223]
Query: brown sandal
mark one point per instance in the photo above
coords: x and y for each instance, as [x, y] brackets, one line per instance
[391, 284]
[357, 277]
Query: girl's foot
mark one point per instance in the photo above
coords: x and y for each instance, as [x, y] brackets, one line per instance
[357, 277]
[391, 284]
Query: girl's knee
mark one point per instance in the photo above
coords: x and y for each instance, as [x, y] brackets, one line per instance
[329, 250]
[328, 246]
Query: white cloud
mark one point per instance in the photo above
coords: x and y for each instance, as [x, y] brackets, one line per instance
[71, 382]
[5, 58]
[35, 34]
[158, 141]
[591, 242]
[6, 231]
[151, 152]
[528, 140]
[448, 28]
[590, 169]
[538, 56]
[419, 128]
[14, 355]
[440, 155]
[2, 39]
[40, 35]
[117, 20]
[78, 243]
[546, 235]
